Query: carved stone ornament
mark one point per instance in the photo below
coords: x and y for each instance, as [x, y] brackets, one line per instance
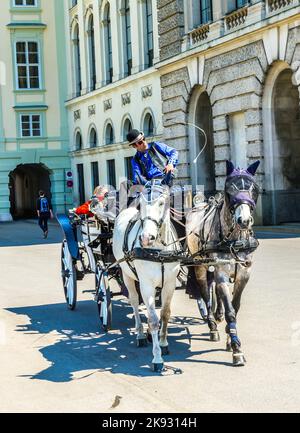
[107, 104]
[146, 91]
[77, 115]
[126, 98]
[92, 110]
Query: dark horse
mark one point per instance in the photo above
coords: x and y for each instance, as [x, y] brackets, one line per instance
[221, 230]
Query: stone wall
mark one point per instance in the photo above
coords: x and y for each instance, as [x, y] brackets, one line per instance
[170, 27]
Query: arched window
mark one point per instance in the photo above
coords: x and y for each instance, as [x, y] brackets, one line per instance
[148, 126]
[91, 53]
[148, 34]
[109, 134]
[108, 45]
[93, 141]
[76, 57]
[78, 141]
[127, 128]
[127, 39]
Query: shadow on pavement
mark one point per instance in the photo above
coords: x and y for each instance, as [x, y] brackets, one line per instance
[83, 346]
[27, 232]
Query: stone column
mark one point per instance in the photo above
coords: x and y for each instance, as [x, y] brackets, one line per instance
[98, 51]
[114, 40]
[82, 46]
[4, 196]
[170, 27]
[135, 36]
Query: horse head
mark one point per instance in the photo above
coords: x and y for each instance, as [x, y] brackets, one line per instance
[154, 204]
[241, 193]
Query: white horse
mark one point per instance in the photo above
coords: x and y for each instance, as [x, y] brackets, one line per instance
[151, 230]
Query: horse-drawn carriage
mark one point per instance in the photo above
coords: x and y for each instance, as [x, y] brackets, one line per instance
[217, 250]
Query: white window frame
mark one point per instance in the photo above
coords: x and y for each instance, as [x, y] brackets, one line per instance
[30, 115]
[24, 5]
[27, 65]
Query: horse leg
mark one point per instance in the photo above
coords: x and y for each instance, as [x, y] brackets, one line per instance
[233, 341]
[134, 301]
[204, 286]
[167, 294]
[148, 292]
[220, 311]
[242, 279]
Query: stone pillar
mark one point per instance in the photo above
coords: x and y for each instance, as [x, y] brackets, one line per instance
[98, 51]
[115, 29]
[170, 27]
[4, 197]
[176, 90]
[135, 36]
[61, 195]
[82, 45]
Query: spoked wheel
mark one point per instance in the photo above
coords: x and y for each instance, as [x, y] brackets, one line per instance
[103, 297]
[68, 273]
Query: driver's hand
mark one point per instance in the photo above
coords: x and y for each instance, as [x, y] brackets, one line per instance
[169, 168]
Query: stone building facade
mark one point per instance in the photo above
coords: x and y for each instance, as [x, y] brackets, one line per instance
[232, 68]
[113, 86]
[33, 119]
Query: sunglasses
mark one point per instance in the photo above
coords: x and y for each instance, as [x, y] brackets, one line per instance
[138, 142]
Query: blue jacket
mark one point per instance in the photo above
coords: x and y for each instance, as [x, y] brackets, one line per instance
[150, 164]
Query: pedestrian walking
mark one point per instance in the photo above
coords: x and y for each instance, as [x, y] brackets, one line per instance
[44, 212]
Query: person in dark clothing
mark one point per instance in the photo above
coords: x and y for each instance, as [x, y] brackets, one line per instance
[44, 212]
[152, 160]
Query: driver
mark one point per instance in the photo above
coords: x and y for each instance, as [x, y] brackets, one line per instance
[152, 160]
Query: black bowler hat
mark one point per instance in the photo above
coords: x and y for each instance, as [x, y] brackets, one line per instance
[134, 136]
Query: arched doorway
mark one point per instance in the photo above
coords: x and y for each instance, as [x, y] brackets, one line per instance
[282, 147]
[200, 114]
[24, 184]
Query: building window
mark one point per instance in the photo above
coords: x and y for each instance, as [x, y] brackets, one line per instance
[30, 125]
[111, 172]
[73, 3]
[149, 33]
[78, 141]
[109, 134]
[148, 127]
[95, 174]
[126, 129]
[91, 51]
[28, 67]
[93, 138]
[77, 66]
[25, 3]
[128, 168]
[80, 176]
[127, 32]
[205, 11]
[108, 45]
[241, 3]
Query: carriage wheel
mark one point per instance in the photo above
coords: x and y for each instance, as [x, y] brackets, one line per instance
[103, 297]
[68, 273]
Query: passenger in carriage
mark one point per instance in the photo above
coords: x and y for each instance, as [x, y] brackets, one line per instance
[99, 193]
[152, 160]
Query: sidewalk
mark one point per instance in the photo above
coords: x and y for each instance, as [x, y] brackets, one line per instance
[283, 228]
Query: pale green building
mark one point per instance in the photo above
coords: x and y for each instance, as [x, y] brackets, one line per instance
[33, 118]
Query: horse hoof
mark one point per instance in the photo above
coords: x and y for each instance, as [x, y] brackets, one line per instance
[238, 360]
[141, 342]
[214, 336]
[164, 350]
[157, 367]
